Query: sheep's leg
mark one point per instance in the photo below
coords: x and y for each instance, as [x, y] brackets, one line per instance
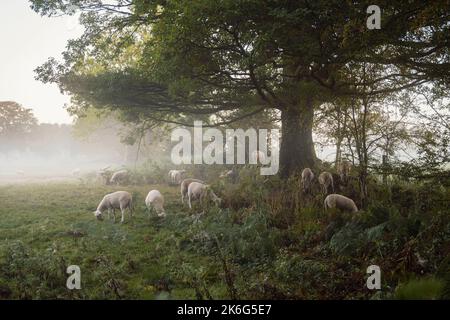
[109, 214]
[122, 211]
[182, 198]
[189, 198]
[114, 215]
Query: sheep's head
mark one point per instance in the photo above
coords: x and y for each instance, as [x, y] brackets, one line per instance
[162, 214]
[226, 174]
[160, 210]
[217, 201]
[98, 214]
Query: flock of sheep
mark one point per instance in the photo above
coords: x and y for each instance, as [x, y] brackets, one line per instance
[192, 189]
[326, 182]
[197, 190]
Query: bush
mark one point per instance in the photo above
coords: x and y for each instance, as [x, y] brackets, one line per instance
[348, 240]
[404, 198]
[294, 268]
[33, 275]
[149, 173]
[248, 242]
[420, 289]
[377, 214]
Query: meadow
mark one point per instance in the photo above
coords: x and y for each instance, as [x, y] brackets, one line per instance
[47, 227]
[258, 245]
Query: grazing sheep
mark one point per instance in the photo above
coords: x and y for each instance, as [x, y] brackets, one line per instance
[344, 170]
[119, 177]
[155, 200]
[104, 177]
[230, 174]
[76, 172]
[339, 202]
[326, 181]
[199, 191]
[307, 178]
[176, 176]
[226, 174]
[20, 172]
[258, 156]
[184, 187]
[170, 175]
[118, 200]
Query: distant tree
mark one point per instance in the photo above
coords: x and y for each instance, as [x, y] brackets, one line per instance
[362, 127]
[16, 123]
[137, 139]
[432, 131]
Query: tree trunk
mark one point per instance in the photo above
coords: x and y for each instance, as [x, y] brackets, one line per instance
[338, 157]
[384, 166]
[364, 158]
[339, 138]
[297, 148]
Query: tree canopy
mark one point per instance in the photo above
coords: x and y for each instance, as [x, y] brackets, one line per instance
[172, 60]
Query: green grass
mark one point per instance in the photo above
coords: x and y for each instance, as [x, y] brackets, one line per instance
[272, 246]
[55, 222]
[420, 289]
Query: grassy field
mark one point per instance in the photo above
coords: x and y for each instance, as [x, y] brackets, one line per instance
[45, 228]
[259, 245]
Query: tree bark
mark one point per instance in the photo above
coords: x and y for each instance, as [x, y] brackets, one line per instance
[297, 147]
[339, 138]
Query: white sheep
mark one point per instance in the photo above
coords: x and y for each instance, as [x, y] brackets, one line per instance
[170, 174]
[230, 174]
[155, 200]
[226, 174]
[103, 176]
[200, 191]
[344, 170]
[185, 185]
[326, 181]
[339, 202]
[76, 172]
[20, 172]
[118, 200]
[119, 177]
[307, 179]
[176, 176]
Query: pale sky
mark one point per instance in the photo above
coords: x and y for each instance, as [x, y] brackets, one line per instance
[27, 40]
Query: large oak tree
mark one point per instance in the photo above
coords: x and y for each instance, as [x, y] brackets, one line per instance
[171, 60]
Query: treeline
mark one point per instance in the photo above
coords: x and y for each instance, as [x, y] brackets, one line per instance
[26, 143]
